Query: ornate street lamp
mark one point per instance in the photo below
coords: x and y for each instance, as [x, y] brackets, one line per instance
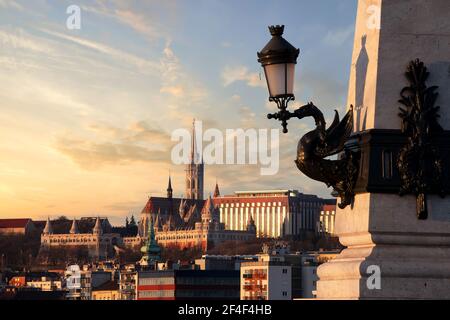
[278, 59]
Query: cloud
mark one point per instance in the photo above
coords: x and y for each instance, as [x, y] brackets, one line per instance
[247, 117]
[139, 142]
[19, 39]
[170, 65]
[176, 91]
[141, 64]
[93, 155]
[326, 92]
[126, 16]
[137, 22]
[338, 37]
[175, 82]
[11, 4]
[241, 73]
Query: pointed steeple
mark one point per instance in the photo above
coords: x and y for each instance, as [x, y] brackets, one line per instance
[211, 203]
[98, 227]
[182, 209]
[209, 211]
[74, 228]
[151, 251]
[169, 188]
[193, 145]
[158, 226]
[48, 227]
[216, 191]
[194, 170]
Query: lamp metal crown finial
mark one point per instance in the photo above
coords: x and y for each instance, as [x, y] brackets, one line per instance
[277, 30]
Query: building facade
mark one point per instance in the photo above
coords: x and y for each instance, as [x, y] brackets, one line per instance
[100, 245]
[200, 229]
[128, 284]
[267, 279]
[188, 285]
[106, 291]
[277, 213]
[327, 220]
[17, 226]
[86, 281]
[215, 262]
[186, 223]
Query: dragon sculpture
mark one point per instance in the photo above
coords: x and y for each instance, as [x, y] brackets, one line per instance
[317, 145]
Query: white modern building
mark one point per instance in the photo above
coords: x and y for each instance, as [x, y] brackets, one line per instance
[277, 213]
[327, 220]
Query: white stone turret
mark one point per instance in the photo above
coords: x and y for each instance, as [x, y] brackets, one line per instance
[98, 227]
[48, 227]
[74, 228]
[210, 212]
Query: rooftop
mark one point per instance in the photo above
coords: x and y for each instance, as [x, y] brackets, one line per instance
[13, 223]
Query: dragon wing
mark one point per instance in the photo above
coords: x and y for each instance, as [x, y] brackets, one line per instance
[336, 135]
[335, 122]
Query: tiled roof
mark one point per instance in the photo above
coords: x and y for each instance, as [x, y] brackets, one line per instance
[162, 205]
[329, 207]
[13, 223]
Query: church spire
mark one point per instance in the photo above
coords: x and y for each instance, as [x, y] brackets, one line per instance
[169, 188]
[194, 156]
[151, 251]
[48, 227]
[194, 170]
[216, 191]
[98, 227]
[74, 228]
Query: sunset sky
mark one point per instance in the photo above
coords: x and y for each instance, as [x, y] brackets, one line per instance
[86, 115]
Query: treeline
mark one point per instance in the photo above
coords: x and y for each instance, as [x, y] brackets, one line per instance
[19, 251]
[174, 254]
[309, 243]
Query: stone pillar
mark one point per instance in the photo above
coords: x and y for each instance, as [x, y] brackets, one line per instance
[382, 229]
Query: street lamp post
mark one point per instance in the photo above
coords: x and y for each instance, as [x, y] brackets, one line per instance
[278, 58]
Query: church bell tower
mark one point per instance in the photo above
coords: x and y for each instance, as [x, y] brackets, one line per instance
[194, 172]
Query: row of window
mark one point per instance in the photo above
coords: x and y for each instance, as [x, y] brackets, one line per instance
[248, 204]
[156, 281]
[210, 236]
[156, 294]
[77, 240]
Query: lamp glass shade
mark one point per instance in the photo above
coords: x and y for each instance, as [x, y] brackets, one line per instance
[280, 79]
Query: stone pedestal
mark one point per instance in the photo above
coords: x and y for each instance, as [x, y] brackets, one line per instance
[381, 230]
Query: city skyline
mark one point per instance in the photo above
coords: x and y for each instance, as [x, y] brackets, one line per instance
[87, 114]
